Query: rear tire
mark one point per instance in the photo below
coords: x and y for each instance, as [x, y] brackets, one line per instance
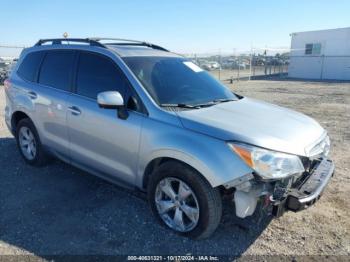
[200, 196]
[29, 143]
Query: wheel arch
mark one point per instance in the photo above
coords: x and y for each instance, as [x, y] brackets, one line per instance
[16, 117]
[177, 157]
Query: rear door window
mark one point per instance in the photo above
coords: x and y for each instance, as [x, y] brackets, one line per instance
[28, 69]
[56, 70]
[97, 73]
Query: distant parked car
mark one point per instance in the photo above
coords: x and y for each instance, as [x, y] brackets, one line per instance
[3, 71]
[234, 65]
[275, 61]
[258, 61]
[239, 65]
[2, 77]
[211, 66]
[3, 65]
[11, 67]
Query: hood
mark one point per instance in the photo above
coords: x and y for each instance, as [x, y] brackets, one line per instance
[257, 123]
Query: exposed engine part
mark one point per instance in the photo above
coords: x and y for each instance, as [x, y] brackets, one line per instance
[279, 192]
[281, 188]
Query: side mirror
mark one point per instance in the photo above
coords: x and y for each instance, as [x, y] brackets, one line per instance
[113, 100]
[110, 100]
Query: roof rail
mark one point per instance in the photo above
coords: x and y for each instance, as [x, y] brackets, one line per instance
[128, 42]
[114, 39]
[58, 41]
[95, 41]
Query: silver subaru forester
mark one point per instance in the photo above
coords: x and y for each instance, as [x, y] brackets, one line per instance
[137, 115]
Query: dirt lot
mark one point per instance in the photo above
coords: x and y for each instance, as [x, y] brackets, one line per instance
[61, 210]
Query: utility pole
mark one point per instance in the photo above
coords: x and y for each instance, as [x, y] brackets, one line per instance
[220, 64]
[251, 62]
[239, 67]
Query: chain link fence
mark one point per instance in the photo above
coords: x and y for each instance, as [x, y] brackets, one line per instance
[255, 64]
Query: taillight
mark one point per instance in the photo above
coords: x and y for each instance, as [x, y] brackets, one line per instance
[7, 83]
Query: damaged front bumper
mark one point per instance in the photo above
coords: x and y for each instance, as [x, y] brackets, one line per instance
[306, 193]
[295, 193]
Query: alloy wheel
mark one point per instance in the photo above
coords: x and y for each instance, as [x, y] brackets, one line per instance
[27, 143]
[177, 204]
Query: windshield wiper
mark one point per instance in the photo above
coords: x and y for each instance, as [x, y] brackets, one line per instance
[179, 105]
[223, 100]
[196, 106]
[215, 102]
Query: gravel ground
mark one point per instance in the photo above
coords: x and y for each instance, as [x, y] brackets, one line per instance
[61, 210]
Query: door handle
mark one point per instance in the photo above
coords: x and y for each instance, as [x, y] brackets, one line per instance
[74, 110]
[32, 95]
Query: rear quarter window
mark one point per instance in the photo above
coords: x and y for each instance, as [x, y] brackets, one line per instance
[29, 67]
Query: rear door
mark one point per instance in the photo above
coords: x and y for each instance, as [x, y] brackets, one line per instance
[52, 94]
[99, 140]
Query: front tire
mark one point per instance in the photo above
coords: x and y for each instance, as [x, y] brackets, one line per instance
[184, 201]
[29, 143]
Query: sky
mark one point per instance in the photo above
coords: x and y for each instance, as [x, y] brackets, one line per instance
[183, 26]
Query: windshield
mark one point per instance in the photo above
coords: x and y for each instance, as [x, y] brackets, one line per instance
[174, 80]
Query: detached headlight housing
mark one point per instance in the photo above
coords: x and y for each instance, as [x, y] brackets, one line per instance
[267, 163]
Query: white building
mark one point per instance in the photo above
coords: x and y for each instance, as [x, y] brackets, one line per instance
[323, 54]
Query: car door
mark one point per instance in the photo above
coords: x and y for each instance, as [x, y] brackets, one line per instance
[51, 95]
[99, 140]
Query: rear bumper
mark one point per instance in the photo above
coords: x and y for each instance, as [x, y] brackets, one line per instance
[309, 192]
[9, 128]
[8, 119]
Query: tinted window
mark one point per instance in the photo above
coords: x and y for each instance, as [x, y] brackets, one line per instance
[56, 69]
[30, 65]
[313, 49]
[98, 74]
[308, 49]
[173, 80]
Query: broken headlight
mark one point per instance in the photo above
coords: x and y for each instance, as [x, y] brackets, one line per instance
[267, 163]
